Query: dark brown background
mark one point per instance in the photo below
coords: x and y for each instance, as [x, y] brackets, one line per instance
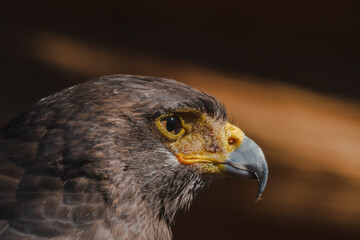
[288, 72]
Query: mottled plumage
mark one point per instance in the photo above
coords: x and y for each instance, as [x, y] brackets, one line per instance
[89, 163]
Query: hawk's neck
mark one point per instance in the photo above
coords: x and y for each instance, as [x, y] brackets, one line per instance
[148, 211]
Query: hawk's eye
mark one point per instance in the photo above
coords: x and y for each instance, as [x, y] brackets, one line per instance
[171, 126]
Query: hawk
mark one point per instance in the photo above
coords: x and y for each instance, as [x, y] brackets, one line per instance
[116, 158]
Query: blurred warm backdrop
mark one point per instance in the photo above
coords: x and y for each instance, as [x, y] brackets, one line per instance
[287, 71]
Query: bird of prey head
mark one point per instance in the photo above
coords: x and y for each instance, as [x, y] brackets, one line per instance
[116, 158]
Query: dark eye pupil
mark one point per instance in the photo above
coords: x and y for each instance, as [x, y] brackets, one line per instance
[171, 124]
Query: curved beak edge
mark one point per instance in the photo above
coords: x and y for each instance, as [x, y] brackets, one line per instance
[248, 161]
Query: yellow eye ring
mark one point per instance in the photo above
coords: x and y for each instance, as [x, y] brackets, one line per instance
[171, 126]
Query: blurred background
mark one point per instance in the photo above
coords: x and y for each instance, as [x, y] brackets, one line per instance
[287, 71]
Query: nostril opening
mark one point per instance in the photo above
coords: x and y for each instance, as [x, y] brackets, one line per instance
[232, 141]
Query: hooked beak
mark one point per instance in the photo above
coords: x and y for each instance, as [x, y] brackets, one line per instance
[245, 158]
[248, 161]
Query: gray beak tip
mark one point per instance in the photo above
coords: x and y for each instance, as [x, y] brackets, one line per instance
[249, 161]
